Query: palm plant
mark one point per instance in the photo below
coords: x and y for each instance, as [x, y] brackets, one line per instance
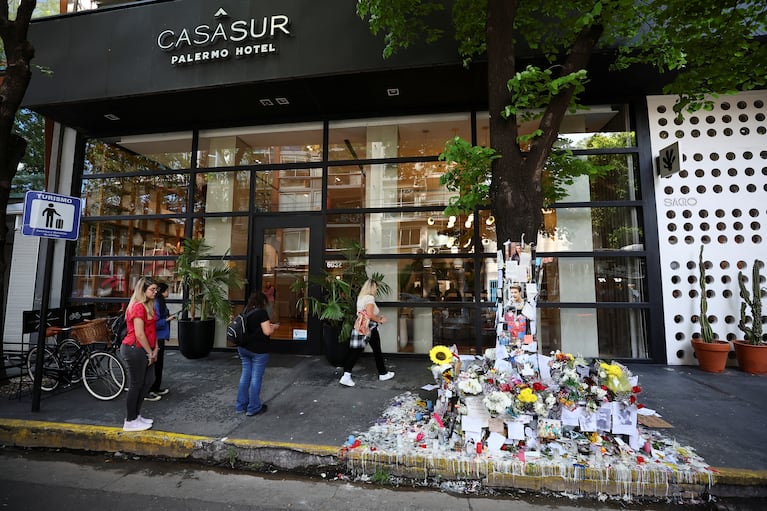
[337, 305]
[207, 281]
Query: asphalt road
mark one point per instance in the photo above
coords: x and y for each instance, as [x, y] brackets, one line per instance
[44, 480]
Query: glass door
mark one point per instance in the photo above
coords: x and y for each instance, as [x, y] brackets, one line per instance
[287, 250]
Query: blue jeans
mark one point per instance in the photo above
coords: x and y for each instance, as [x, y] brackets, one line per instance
[249, 390]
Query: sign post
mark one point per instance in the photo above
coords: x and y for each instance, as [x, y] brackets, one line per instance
[51, 216]
[669, 160]
[48, 215]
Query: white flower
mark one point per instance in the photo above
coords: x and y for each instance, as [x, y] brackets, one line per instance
[497, 402]
[490, 354]
[470, 386]
[540, 409]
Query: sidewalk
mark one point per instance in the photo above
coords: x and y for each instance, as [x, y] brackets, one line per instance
[310, 415]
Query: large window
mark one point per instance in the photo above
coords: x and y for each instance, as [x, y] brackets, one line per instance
[377, 182]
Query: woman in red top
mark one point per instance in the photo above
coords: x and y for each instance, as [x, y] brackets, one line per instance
[139, 350]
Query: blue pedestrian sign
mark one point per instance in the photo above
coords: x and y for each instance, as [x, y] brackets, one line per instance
[49, 215]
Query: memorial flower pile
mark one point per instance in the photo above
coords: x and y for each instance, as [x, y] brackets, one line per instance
[514, 409]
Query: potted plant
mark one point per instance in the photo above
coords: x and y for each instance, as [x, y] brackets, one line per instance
[206, 283]
[751, 351]
[336, 303]
[710, 352]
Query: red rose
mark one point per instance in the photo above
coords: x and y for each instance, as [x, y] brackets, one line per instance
[538, 387]
[636, 389]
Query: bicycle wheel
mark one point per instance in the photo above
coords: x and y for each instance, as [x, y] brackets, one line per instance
[103, 376]
[69, 356]
[51, 368]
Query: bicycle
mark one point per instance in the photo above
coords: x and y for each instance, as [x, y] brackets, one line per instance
[80, 357]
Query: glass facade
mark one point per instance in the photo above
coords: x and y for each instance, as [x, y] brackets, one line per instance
[375, 181]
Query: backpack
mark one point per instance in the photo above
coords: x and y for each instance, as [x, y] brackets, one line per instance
[119, 328]
[235, 331]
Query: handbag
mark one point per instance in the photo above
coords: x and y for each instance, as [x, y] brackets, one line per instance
[362, 323]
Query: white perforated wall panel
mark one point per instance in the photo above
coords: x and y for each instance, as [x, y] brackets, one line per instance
[718, 200]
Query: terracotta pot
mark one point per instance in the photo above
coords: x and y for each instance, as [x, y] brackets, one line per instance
[712, 356]
[752, 358]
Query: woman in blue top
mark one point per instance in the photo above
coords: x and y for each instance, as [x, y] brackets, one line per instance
[164, 318]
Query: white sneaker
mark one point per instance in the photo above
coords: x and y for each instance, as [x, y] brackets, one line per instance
[346, 379]
[135, 425]
[145, 420]
[387, 376]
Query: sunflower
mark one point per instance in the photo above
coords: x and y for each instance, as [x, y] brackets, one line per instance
[440, 355]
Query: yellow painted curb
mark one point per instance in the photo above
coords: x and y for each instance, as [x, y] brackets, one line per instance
[740, 476]
[24, 433]
[319, 450]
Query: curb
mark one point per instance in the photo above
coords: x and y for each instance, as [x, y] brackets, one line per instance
[288, 456]
[723, 482]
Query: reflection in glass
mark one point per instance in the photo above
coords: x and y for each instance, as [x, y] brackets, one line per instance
[227, 235]
[342, 228]
[285, 260]
[142, 195]
[288, 190]
[260, 145]
[620, 183]
[598, 279]
[387, 185]
[389, 137]
[222, 191]
[419, 232]
[145, 153]
[617, 333]
[599, 127]
[587, 229]
[138, 237]
[436, 280]
[418, 329]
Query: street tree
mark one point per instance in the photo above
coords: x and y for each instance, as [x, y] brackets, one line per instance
[537, 56]
[18, 53]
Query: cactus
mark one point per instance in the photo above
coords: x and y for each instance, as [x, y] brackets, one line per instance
[706, 332]
[752, 300]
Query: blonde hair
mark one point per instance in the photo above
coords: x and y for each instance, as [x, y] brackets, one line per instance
[370, 287]
[139, 295]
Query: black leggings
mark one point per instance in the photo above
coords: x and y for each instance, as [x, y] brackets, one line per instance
[140, 378]
[354, 354]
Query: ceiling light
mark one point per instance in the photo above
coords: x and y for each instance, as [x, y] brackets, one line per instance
[392, 92]
[112, 117]
[266, 102]
[282, 101]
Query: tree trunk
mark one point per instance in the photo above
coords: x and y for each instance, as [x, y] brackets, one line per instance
[510, 197]
[516, 193]
[18, 52]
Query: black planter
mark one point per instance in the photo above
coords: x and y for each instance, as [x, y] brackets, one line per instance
[195, 337]
[335, 351]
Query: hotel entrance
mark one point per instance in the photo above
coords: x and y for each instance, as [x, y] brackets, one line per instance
[287, 250]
